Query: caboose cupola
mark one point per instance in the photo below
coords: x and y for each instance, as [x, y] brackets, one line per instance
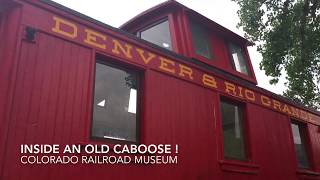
[177, 28]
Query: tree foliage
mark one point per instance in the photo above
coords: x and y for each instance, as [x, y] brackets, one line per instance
[288, 36]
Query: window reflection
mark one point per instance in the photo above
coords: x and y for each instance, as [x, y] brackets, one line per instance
[238, 58]
[158, 34]
[132, 101]
[115, 103]
[102, 103]
[201, 40]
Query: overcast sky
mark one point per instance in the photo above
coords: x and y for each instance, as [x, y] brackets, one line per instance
[224, 12]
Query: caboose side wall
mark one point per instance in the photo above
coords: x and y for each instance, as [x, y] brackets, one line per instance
[10, 22]
[51, 103]
[127, 49]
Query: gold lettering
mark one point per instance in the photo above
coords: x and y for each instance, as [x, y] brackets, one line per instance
[240, 91]
[310, 117]
[303, 115]
[126, 50]
[185, 70]
[249, 95]
[91, 38]
[230, 88]
[286, 109]
[265, 100]
[209, 81]
[295, 112]
[57, 28]
[276, 105]
[165, 63]
[141, 54]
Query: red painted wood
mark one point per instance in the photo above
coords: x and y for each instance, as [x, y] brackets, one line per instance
[192, 125]
[46, 91]
[271, 144]
[49, 97]
[314, 136]
[10, 20]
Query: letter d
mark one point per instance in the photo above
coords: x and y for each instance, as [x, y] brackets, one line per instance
[57, 28]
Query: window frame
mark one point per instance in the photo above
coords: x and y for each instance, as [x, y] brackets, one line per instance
[155, 22]
[245, 132]
[307, 143]
[245, 56]
[108, 61]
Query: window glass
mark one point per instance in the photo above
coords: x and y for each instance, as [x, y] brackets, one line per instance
[232, 126]
[238, 58]
[299, 139]
[159, 35]
[201, 40]
[115, 103]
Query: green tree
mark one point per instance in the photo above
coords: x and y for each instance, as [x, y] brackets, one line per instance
[288, 36]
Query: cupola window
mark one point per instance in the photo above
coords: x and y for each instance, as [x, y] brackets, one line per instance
[238, 58]
[158, 34]
[201, 40]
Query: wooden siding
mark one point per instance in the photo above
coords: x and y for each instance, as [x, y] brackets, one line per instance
[8, 45]
[50, 101]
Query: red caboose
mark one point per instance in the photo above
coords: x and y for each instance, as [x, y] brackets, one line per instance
[168, 76]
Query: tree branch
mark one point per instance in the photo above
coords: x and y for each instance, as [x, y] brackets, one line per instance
[314, 7]
[303, 23]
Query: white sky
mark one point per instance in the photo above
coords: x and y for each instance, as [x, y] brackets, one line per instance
[224, 12]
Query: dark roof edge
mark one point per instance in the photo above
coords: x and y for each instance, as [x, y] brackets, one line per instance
[173, 54]
[148, 11]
